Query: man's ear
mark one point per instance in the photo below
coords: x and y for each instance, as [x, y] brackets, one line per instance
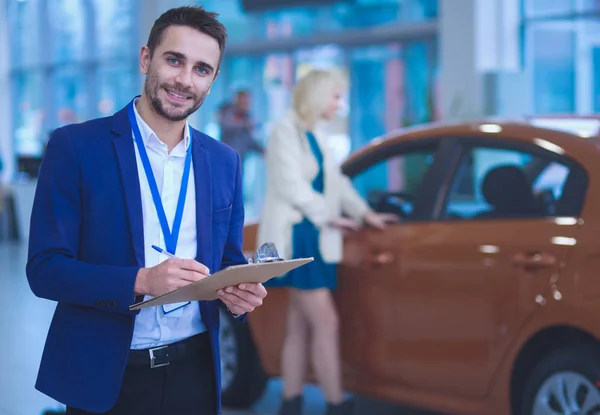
[144, 59]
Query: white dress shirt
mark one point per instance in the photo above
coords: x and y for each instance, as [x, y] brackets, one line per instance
[152, 326]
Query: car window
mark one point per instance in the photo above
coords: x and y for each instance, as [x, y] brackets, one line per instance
[493, 183]
[391, 185]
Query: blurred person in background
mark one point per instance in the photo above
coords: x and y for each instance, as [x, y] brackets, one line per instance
[237, 127]
[111, 189]
[306, 196]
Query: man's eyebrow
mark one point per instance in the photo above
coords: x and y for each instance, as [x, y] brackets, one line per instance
[178, 55]
[182, 57]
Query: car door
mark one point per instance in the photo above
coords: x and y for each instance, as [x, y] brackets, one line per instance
[473, 276]
[398, 179]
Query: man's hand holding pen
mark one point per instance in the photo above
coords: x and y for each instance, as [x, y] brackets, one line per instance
[169, 275]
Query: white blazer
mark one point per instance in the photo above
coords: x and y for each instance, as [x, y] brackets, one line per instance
[291, 168]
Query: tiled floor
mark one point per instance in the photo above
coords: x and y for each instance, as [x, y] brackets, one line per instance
[26, 319]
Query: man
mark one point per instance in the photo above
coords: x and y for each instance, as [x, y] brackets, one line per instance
[108, 190]
[236, 125]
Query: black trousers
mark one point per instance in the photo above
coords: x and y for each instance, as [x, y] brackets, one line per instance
[184, 387]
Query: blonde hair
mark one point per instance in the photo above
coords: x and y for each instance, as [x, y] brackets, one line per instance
[313, 92]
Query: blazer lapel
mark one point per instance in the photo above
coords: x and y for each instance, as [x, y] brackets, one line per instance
[203, 182]
[125, 151]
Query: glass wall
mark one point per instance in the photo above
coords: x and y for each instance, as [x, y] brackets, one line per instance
[393, 87]
[81, 61]
[71, 60]
[562, 39]
[334, 16]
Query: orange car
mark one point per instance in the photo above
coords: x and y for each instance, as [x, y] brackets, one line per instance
[483, 299]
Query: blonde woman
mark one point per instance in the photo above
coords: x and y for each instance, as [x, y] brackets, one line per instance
[306, 197]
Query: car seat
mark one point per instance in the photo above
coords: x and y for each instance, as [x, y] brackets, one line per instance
[508, 190]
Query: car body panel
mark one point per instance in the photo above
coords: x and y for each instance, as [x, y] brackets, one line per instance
[468, 298]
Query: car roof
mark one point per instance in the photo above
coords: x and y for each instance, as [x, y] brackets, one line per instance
[583, 148]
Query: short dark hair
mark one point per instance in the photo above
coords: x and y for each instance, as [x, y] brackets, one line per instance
[191, 16]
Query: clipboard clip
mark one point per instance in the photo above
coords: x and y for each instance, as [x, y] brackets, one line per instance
[266, 253]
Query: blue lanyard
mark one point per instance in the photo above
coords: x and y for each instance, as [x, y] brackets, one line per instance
[170, 237]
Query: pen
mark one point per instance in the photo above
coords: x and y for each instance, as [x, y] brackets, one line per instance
[165, 253]
[169, 307]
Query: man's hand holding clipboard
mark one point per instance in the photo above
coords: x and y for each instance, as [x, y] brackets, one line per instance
[226, 284]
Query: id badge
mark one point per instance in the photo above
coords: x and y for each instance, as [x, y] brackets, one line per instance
[169, 308]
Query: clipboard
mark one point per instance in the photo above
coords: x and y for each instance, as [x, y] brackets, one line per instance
[206, 289]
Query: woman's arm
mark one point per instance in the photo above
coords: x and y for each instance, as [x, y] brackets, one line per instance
[352, 203]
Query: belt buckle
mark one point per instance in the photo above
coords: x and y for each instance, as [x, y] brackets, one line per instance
[153, 358]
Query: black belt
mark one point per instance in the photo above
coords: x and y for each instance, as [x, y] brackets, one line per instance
[164, 355]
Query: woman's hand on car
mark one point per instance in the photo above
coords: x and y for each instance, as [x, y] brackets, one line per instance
[344, 224]
[379, 220]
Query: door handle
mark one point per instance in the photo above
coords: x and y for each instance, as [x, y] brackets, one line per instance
[382, 258]
[533, 261]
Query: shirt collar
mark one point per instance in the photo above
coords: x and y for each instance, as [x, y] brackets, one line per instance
[149, 136]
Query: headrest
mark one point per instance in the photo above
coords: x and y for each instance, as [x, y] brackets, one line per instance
[507, 188]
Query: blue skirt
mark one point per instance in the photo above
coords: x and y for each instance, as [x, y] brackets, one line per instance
[316, 274]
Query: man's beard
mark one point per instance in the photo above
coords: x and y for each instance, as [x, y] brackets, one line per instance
[152, 87]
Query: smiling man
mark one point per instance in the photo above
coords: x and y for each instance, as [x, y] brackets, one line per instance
[109, 190]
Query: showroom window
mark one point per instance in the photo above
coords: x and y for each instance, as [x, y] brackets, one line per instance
[255, 23]
[71, 60]
[80, 61]
[562, 54]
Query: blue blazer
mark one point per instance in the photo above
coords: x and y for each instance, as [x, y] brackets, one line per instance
[86, 247]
